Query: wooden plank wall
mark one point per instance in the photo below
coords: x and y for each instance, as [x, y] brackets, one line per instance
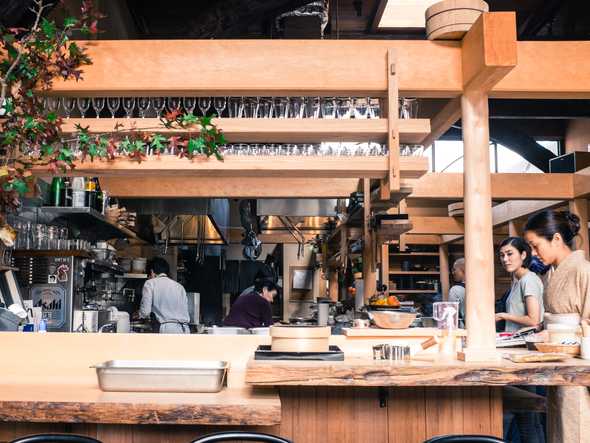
[329, 415]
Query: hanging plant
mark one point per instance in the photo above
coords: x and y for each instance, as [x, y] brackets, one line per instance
[30, 60]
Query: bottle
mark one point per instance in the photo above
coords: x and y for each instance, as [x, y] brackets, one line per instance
[67, 192]
[43, 326]
[90, 193]
[57, 186]
[99, 197]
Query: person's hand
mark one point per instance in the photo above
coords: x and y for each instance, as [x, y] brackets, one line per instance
[135, 316]
[500, 316]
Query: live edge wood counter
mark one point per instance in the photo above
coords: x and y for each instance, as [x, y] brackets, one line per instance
[421, 371]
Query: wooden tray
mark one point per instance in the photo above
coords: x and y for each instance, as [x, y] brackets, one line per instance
[556, 348]
[534, 357]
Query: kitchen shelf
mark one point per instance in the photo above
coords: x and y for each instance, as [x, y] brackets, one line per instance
[102, 265]
[413, 291]
[279, 130]
[137, 276]
[50, 253]
[4, 268]
[414, 254]
[102, 227]
[391, 271]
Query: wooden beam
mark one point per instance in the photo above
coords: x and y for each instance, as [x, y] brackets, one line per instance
[436, 225]
[266, 130]
[510, 210]
[421, 239]
[167, 68]
[441, 122]
[582, 183]
[505, 186]
[369, 271]
[392, 179]
[443, 261]
[229, 187]
[489, 50]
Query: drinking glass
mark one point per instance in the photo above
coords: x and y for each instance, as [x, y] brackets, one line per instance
[241, 149]
[254, 149]
[266, 107]
[158, 103]
[328, 107]
[293, 149]
[281, 107]
[296, 107]
[204, 105]
[343, 107]
[312, 107]
[51, 103]
[83, 105]
[219, 104]
[251, 106]
[143, 104]
[189, 104]
[113, 104]
[361, 107]
[308, 150]
[173, 104]
[365, 149]
[68, 104]
[324, 149]
[235, 107]
[374, 108]
[282, 149]
[98, 105]
[128, 106]
[408, 107]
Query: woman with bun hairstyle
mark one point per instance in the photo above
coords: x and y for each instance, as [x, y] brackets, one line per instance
[551, 236]
[524, 306]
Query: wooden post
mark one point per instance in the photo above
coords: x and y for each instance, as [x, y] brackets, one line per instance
[392, 180]
[579, 206]
[333, 285]
[369, 271]
[385, 265]
[512, 229]
[443, 260]
[479, 258]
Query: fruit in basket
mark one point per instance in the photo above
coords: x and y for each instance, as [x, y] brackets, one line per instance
[393, 301]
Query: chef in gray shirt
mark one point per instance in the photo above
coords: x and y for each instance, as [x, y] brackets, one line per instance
[524, 306]
[457, 291]
[164, 298]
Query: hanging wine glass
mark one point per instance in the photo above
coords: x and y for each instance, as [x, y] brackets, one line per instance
[173, 104]
[83, 105]
[296, 107]
[361, 107]
[328, 107]
[189, 104]
[343, 108]
[143, 104]
[281, 107]
[158, 103]
[204, 105]
[68, 104]
[113, 104]
[219, 104]
[51, 103]
[98, 105]
[266, 108]
[312, 107]
[374, 108]
[235, 107]
[129, 105]
[251, 107]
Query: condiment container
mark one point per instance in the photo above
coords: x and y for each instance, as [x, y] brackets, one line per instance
[300, 338]
[138, 265]
[559, 333]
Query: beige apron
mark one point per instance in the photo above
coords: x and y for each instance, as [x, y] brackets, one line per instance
[568, 414]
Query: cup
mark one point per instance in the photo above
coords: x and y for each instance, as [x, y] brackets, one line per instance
[585, 348]
[361, 323]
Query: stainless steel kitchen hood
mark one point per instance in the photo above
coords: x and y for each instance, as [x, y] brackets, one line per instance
[297, 207]
[185, 220]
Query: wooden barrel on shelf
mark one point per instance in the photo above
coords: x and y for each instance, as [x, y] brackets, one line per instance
[451, 19]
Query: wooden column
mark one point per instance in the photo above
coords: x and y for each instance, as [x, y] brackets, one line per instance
[513, 229]
[479, 257]
[385, 265]
[392, 180]
[333, 285]
[443, 260]
[579, 206]
[369, 272]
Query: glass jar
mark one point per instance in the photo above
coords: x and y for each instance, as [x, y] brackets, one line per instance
[52, 237]
[40, 237]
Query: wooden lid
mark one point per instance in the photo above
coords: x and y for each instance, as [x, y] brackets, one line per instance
[300, 331]
[447, 5]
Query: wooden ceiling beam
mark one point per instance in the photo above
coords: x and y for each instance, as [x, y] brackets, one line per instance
[441, 122]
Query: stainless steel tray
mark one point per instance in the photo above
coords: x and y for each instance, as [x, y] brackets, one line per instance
[161, 376]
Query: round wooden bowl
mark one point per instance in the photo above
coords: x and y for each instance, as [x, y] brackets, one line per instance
[300, 338]
[451, 19]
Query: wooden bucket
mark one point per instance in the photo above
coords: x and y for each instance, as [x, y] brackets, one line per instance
[451, 19]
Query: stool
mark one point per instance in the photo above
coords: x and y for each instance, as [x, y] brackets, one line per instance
[238, 435]
[55, 438]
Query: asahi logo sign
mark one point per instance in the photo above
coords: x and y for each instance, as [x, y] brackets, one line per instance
[52, 301]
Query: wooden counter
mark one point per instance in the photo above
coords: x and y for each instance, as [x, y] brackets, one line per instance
[421, 371]
[84, 402]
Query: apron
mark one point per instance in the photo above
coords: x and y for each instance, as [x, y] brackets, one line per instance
[174, 327]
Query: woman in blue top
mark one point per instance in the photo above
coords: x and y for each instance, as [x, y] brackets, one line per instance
[524, 306]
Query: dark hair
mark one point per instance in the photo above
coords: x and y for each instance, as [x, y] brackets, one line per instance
[548, 223]
[521, 246]
[159, 266]
[268, 284]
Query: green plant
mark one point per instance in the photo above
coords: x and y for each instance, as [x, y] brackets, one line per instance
[30, 60]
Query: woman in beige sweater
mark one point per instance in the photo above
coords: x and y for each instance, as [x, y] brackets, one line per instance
[551, 236]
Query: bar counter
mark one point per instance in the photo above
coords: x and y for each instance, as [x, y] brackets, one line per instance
[47, 385]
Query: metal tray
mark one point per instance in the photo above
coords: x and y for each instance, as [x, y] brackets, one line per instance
[264, 352]
[161, 376]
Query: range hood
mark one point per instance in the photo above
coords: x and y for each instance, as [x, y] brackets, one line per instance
[185, 220]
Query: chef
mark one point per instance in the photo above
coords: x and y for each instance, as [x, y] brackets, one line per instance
[165, 299]
[253, 309]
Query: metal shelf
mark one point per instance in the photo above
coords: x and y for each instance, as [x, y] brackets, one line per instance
[102, 227]
[136, 276]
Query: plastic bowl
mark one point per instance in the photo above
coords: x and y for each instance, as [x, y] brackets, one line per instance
[392, 319]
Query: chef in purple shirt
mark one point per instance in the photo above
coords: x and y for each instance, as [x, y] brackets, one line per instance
[253, 309]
